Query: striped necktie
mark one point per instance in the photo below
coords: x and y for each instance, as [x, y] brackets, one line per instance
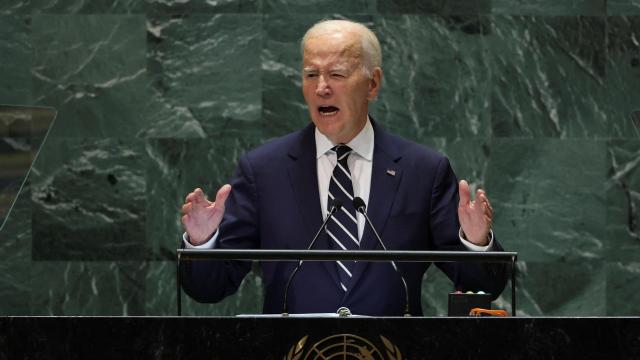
[343, 226]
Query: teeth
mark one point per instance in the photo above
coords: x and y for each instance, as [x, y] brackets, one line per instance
[328, 113]
[328, 110]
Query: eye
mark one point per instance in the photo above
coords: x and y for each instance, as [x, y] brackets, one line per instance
[310, 75]
[338, 75]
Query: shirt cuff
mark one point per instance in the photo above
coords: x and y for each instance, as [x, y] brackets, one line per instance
[207, 245]
[473, 247]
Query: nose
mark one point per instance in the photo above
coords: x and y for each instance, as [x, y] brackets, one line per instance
[322, 89]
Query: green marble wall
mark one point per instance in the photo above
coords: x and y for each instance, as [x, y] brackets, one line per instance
[529, 99]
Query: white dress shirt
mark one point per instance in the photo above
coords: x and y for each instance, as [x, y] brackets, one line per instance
[360, 163]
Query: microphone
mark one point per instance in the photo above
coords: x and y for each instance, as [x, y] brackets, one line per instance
[335, 205]
[358, 203]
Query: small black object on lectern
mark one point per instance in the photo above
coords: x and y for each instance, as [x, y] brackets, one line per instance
[460, 304]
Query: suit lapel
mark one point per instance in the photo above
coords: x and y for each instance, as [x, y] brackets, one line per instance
[303, 175]
[386, 174]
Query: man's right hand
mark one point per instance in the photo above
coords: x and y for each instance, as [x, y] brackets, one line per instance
[202, 217]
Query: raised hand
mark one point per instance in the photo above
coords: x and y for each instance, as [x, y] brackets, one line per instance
[202, 217]
[475, 216]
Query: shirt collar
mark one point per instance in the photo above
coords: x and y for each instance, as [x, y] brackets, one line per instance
[362, 144]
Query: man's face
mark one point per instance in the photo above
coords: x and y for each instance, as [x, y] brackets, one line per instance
[334, 85]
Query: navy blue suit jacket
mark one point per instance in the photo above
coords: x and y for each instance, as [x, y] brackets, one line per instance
[275, 204]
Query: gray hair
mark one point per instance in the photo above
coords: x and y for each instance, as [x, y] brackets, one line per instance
[371, 52]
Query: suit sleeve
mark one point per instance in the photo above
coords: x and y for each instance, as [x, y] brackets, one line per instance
[212, 281]
[444, 223]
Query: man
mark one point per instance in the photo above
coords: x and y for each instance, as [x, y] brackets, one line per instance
[283, 189]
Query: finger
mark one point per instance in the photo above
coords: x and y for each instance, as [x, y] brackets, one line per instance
[464, 192]
[484, 199]
[487, 211]
[222, 195]
[194, 196]
[480, 197]
[186, 208]
[200, 196]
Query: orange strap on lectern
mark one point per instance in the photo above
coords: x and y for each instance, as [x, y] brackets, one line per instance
[487, 312]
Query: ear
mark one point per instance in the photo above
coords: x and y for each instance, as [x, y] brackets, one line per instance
[374, 83]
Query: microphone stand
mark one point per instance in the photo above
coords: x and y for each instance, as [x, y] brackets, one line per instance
[336, 204]
[358, 203]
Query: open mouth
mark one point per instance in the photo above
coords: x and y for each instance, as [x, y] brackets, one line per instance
[328, 110]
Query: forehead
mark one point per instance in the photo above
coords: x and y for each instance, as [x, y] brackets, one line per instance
[335, 47]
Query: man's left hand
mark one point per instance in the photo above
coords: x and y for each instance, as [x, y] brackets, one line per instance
[475, 215]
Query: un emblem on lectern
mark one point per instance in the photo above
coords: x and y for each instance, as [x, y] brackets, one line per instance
[343, 347]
